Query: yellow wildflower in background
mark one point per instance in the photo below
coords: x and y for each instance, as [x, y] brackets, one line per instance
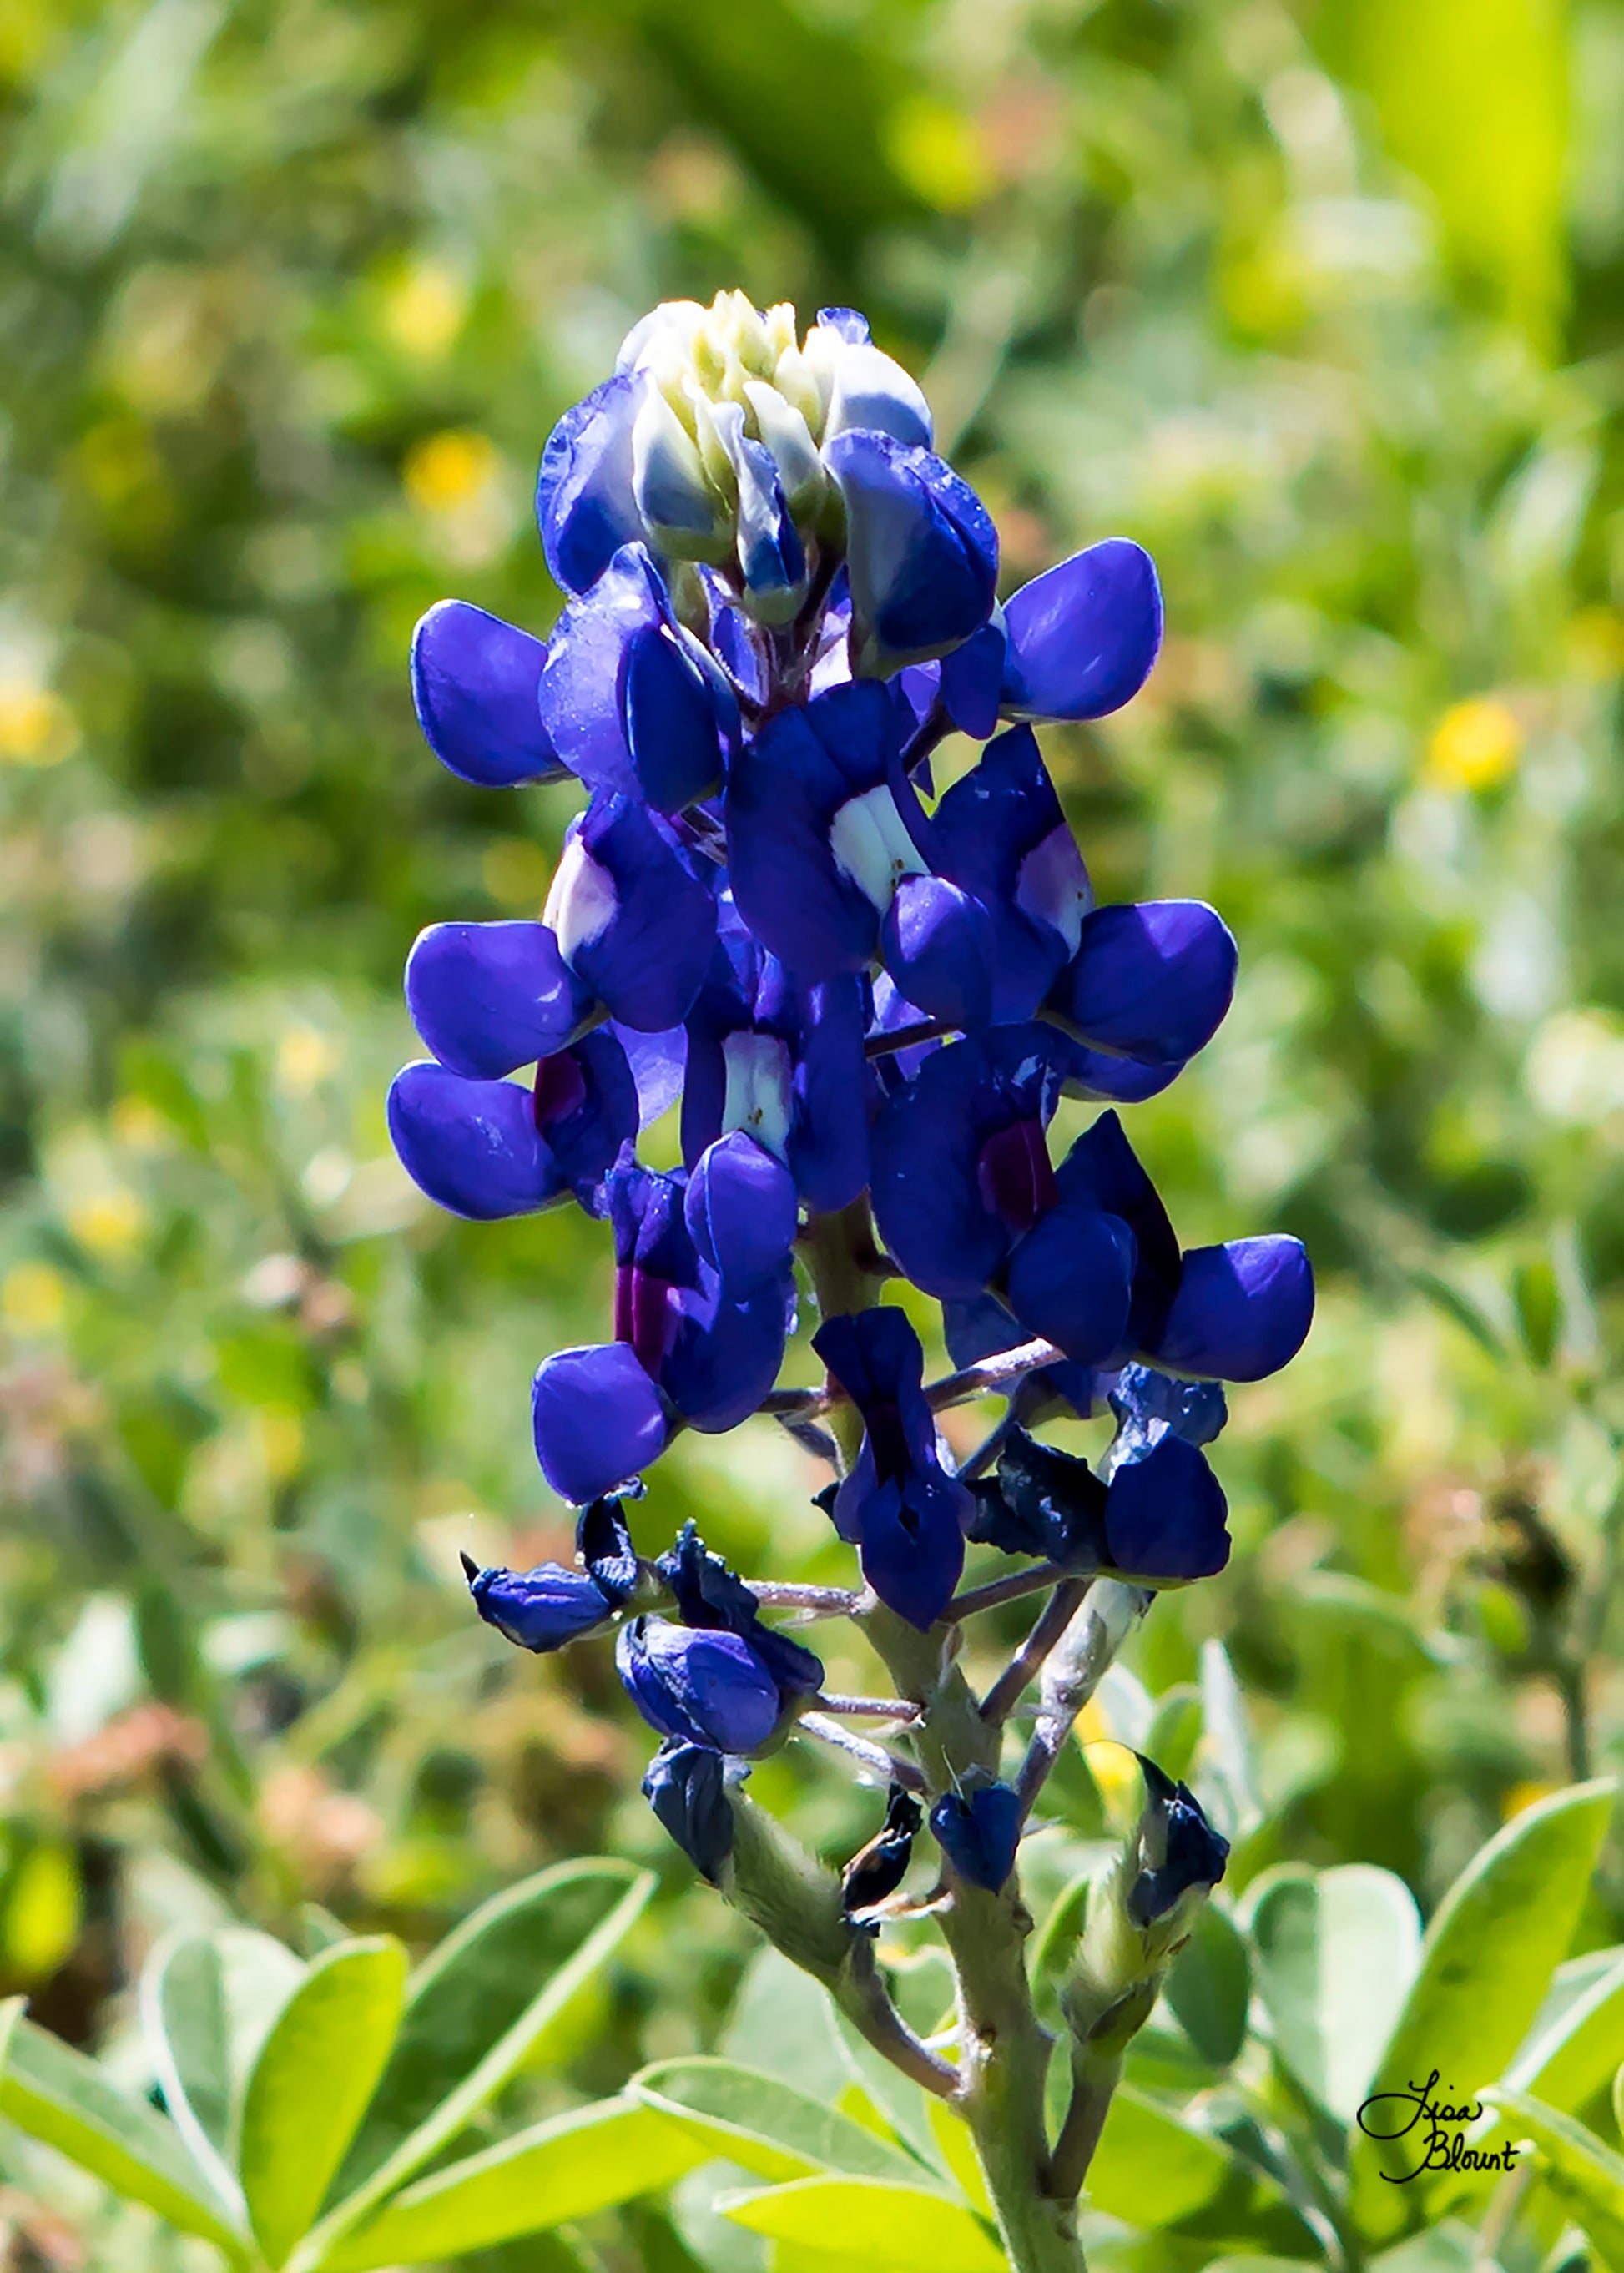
[36, 727]
[444, 471]
[33, 1299]
[1475, 744]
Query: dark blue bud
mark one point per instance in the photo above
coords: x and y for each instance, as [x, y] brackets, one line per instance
[605, 1545]
[1166, 1516]
[687, 1787]
[978, 1832]
[539, 1609]
[1179, 1847]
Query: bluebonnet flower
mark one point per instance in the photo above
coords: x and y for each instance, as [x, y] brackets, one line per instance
[686, 1788]
[779, 600]
[723, 1678]
[544, 1609]
[781, 1061]
[1161, 1520]
[699, 1336]
[978, 1830]
[898, 1506]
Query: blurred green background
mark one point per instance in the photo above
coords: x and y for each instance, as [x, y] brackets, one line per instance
[1325, 309]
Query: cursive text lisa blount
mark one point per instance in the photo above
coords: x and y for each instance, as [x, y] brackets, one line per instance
[1401, 2114]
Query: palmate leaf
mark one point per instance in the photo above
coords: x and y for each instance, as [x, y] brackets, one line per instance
[1485, 1962]
[55, 2094]
[563, 2169]
[316, 2072]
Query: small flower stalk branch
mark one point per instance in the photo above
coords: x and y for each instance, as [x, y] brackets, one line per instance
[871, 1001]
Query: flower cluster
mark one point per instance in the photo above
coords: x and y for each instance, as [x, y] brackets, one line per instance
[871, 999]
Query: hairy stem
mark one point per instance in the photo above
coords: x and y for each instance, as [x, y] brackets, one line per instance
[1049, 1624]
[1094, 2077]
[874, 1758]
[1073, 1672]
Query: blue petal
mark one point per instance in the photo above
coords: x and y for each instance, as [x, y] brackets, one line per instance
[1083, 636]
[1003, 836]
[984, 1328]
[1101, 1170]
[539, 1609]
[599, 1420]
[922, 552]
[604, 1543]
[473, 683]
[939, 946]
[1150, 981]
[829, 1084]
[781, 801]
[584, 503]
[473, 1146]
[490, 997]
[686, 1788]
[1070, 1280]
[972, 681]
[649, 925]
[927, 1145]
[700, 1687]
[657, 1062]
[742, 1209]
[1242, 1311]
[586, 1108]
[1193, 1853]
[1166, 1514]
[726, 1350]
[912, 1541]
[629, 701]
[979, 1833]
[1092, 1075]
[1149, 1404]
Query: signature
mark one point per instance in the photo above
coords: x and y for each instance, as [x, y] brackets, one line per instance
[1416, 2115]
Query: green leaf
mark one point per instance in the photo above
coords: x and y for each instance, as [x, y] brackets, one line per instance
[1488, 1955]
[1210, 1986]
[563, 2169]
[1226, 1748]
[311, 2084]
[1150, 2168]
[956, 2149]
[1587, 2176]
[55, 2094]
[206, 2004]
[905, 2229]
[1336, 1956]
[1176, 1731]
[1565, 2065]
[763, 2124]
[473, 2014]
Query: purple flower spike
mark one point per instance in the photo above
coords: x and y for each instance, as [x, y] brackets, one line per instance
[1083, 636]
[905, 1514]
[599, 1420]
[538, 1609]
[979, 1833]
[1150, 981]
[699, 1687]
[1166, 1516]
[630, 700]
[922, 552]
[490, 997]
[473, 683]
[584, 503]
[1242, 1311]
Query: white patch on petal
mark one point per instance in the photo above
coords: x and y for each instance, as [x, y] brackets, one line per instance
[758, 1098]
[1053, 885]
[872, 847]
[582, 902]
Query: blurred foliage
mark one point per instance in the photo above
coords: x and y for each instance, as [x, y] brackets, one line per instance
[1323, 306]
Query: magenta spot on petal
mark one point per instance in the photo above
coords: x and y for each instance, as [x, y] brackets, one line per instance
[1014, 1173]
[560, 1089]
[642, 1318]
